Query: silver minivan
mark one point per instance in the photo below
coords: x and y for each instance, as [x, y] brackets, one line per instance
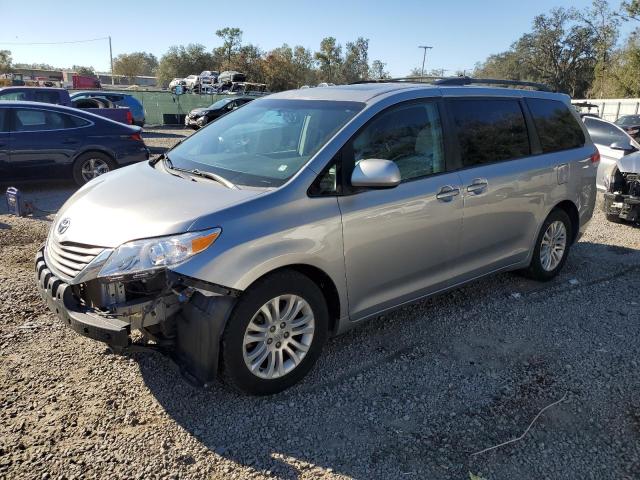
[304, 213]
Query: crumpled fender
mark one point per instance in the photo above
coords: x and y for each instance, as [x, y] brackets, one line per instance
[629, 163]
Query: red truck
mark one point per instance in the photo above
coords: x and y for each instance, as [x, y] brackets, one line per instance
[60, 96]
[82, 82]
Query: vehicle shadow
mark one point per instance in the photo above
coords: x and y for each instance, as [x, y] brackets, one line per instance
[405, 394]
[156, 134]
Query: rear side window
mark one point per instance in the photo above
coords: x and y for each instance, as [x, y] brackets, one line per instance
[45, 96]
[557, 128]
[604, 133]
[38, 120]
[489, 130]
[75, 122]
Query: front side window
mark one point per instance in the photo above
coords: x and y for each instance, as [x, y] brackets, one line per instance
[604, 133]
[13, 95]
[28, 120]
[489, 130]
[409, 135]
[557, 128]
[266, 142]
[628, 120]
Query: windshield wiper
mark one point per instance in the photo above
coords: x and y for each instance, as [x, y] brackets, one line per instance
[211, 176]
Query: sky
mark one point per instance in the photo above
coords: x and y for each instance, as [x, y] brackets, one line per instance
[461, 32]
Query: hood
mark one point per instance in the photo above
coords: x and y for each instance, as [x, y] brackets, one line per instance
[197, 111]
[629, 163]
[140, 202]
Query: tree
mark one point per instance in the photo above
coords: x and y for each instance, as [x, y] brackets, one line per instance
[356, 62]
[5, 61]
[86, 71]
[377, 70]
[329, 58]
[232, 40]
[181, 61]
[303, 66]
[248, 60]
[134, 64]
[279, 69]
[605, 28]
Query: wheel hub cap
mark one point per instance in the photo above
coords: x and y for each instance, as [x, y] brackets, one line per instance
[94, 167]
[554, 243]
[278, 336]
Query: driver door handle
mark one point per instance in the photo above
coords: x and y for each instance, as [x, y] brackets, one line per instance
[446, 193]
[478, 186]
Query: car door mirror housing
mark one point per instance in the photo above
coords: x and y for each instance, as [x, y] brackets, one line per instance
[623, 145]
[375, 173]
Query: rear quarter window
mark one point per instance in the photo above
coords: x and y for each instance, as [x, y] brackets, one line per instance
[557, 128]
[489, 130]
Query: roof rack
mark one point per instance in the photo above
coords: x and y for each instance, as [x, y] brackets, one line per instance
[462, 81]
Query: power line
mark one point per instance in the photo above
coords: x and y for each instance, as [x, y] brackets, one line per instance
[54, 43]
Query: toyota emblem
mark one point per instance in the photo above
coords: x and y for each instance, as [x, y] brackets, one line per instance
[63, 226]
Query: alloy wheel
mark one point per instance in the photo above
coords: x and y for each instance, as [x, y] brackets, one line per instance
[278, 336]
[553, 246]
[94, 167]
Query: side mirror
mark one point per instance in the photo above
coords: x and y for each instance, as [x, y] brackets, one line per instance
[624, 145]
[375, 173]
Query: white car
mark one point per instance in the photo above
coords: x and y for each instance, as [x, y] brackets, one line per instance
[191, 81]
[612, 142]
[208, 77]
[175, 82]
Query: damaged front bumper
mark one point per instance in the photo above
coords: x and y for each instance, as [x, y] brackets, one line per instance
[183, 315]
[622, 199]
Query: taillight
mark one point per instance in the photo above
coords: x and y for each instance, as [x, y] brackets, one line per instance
[129, 117]
[137, 137]
[595, 158]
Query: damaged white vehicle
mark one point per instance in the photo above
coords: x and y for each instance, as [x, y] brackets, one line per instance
[622, 185]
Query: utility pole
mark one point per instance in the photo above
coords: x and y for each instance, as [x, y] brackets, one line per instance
[424, 56]
[111, 58]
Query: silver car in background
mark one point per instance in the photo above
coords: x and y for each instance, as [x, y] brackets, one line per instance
[307, 212]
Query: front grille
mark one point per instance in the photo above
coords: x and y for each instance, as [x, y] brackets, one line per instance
[69, 258]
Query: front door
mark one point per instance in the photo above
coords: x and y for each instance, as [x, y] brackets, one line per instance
[399, 243]
[4, 143]
[41, 146]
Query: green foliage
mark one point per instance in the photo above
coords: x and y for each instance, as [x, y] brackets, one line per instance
[5, 61]
[329, 58]
[181, 61]
[134, 64]
[86, 71]
[377, 70]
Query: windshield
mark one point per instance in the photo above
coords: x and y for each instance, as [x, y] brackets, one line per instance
[265, 142]
[629, 120]
[220, 103]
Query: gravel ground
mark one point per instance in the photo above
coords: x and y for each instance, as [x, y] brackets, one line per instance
[411, 395]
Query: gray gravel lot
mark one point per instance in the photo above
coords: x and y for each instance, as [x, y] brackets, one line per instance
[411, 395]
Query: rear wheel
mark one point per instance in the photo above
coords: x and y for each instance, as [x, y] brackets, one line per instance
[91, 165]
[275, 334]
[552, 247]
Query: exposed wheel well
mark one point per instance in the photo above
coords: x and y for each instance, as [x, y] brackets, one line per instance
[570, 209]
[326, 285]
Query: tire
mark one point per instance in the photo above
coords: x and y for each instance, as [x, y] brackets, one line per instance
[613, 218]
[537, 269]
[236, 352]
[102, 163]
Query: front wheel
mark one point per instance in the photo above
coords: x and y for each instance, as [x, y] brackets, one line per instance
[552, 247]
[275, 334]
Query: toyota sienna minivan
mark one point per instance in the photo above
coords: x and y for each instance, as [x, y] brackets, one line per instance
[307, 212]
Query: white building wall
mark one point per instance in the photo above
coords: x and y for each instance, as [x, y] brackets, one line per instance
[612, 108]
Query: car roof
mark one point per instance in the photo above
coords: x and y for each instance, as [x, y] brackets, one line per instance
[369, 92]
[48, 89]
[60, 108]
[100, 92]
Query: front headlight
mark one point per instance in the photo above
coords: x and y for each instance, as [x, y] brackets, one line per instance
[157, 253]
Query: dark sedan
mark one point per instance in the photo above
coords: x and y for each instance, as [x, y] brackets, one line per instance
[42, 141]
[630, 124]
[199, 117]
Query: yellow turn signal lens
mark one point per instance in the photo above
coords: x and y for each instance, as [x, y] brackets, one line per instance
[202, 243]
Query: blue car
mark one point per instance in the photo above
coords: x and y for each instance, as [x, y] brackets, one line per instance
[41, 141]
[118, 98]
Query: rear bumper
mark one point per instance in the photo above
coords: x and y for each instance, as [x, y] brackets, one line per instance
[58, 296]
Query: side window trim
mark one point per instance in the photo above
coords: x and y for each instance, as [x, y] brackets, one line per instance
[534, 141]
